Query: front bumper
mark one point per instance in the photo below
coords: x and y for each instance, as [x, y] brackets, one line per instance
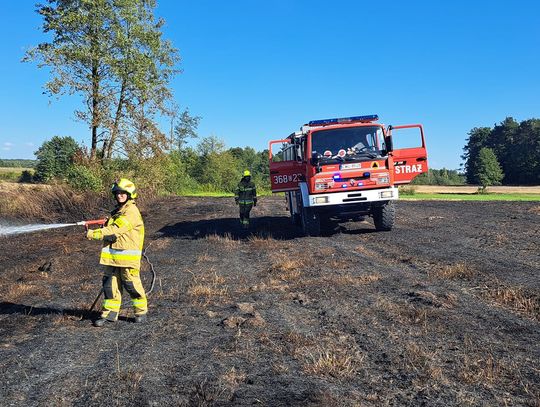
[352, 197]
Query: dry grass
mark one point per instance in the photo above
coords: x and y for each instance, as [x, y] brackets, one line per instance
[288, 266]
[205, 258]
[480, 370]
[160, 244]
[423, 362]
[226, 241]
[455, 271]
[352, 280]
[16, 292]
[45, 202]
[233, 378]
[207, 288]
[407, 313]
[265, 243]
[329, 362]
[536, 210]
[515, 298]
[335, 356]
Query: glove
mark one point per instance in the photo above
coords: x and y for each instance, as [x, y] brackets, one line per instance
[90, 234]
[109, 238]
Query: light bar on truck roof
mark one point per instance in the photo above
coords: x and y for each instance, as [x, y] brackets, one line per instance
[323, 122]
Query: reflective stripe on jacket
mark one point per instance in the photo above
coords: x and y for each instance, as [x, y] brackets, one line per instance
[246, 193]
[127, 225]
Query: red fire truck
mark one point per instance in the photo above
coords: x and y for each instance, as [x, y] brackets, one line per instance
[345, 168]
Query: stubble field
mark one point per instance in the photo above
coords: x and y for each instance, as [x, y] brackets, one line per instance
[442, 311]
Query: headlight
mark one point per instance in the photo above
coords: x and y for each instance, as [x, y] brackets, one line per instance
[386, 194]
[320, 200]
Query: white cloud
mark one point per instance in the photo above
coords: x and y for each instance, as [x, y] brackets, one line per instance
[29, 144]
[7, 146]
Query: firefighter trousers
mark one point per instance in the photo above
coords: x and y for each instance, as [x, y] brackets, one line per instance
[245, 209]
[114, 280]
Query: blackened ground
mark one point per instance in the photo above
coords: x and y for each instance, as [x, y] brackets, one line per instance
[444, 310]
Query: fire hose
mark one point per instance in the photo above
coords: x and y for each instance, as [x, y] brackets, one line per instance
[101, 223]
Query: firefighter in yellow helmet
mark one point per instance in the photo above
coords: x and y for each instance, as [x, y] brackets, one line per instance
[246, 198]
[123, 237]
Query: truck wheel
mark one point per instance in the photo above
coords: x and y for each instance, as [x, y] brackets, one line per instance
[384, 216]
[311, 222]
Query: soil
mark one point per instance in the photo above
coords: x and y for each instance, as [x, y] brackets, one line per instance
[442, 311]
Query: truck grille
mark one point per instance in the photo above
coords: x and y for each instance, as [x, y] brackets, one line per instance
[355, 197]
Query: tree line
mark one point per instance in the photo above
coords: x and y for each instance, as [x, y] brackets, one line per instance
[508, 153]
[205, 168]
[17, 163]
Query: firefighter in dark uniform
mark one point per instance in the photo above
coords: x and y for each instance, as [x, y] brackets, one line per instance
[246, 198]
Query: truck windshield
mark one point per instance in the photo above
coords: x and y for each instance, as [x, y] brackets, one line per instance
[348, 144]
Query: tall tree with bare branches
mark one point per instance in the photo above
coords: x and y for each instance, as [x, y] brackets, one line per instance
[112, 54]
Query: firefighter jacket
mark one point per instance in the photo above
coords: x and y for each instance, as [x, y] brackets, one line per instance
[123, 235]
[246, 193]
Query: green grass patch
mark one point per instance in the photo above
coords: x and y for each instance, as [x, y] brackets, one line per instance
[472, 197]
[220, 194]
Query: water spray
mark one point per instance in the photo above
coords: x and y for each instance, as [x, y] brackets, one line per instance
[17, 230]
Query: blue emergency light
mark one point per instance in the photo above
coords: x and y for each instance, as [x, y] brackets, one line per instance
[324, 122]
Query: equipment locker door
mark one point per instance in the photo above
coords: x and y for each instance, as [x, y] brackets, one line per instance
[286, 173]
[410, 161]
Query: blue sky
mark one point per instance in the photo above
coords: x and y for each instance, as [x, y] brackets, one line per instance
[257, 70]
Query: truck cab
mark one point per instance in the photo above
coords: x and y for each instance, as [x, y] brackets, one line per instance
[345, 168]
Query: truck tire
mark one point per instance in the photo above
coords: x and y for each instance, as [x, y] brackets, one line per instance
[311, 222]
[384, 216]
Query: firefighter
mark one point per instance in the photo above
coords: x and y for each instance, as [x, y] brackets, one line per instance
[123, 237]
[246, 198]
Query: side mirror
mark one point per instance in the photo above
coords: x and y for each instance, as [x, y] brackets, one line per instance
[314, 158]
[389, 144]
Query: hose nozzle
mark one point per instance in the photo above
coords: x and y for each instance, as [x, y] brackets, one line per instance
[96, 222]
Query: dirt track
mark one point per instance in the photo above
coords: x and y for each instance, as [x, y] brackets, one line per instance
[444, 310]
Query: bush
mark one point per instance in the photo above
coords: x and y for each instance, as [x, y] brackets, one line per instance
[55, 158]
[407, 190]
[26, 176]
[82, 178]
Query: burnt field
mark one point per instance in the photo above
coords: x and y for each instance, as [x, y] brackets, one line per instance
[444, 310]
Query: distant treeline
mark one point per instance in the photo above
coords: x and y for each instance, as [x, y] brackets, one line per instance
[10, 163]
[516, 147]
[440, 177]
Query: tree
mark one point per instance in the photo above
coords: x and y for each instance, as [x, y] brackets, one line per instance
[55, 158]
[210, 144]
[186, 129]
[489, 171]
[110, 52]
[477, 139]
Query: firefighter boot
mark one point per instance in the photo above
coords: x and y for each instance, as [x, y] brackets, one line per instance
[141, 319]
[102, 321]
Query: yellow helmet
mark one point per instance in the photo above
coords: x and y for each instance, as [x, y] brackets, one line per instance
[247, 173]
[125, 185]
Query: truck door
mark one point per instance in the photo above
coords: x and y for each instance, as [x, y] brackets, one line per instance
[287, 169]
[409, 154]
